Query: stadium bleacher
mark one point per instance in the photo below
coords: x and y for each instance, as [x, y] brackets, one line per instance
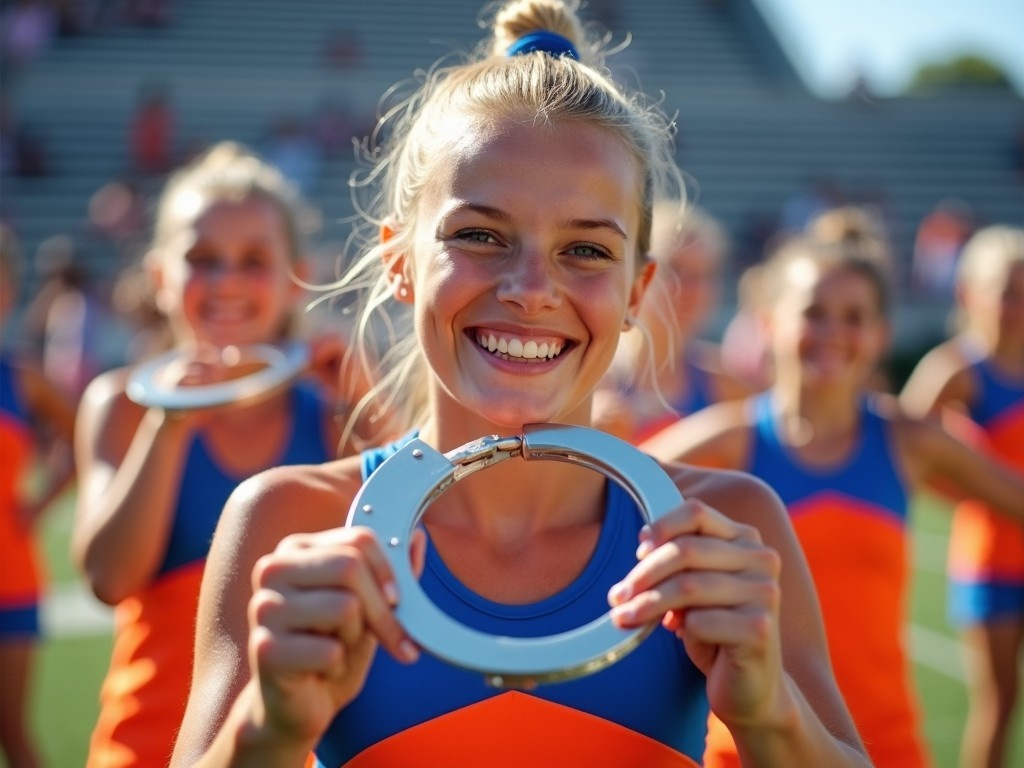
[750, 134]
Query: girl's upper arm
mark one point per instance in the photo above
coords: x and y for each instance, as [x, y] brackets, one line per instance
[933, 452]
[941, 378]
[717, 436]
[220, 668]
[251, 525]
[104, 427]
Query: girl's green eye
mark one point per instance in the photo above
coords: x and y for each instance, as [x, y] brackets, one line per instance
[588, 251]
[475, 235]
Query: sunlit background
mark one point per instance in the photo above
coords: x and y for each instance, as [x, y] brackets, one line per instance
[832, 42]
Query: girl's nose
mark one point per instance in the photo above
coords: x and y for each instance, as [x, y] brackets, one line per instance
[530, 281]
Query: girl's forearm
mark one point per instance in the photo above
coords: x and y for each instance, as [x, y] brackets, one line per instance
[241, 742]
[796, 736]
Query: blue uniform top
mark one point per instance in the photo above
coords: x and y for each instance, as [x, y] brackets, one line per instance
[10, 398]
[995, 394]
[869, 474]
[205, 486]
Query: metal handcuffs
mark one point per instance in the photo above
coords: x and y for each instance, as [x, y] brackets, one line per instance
[397, 494]
[282, 365]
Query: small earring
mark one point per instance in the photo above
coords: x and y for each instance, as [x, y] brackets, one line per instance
[403, 292]
[627, 322]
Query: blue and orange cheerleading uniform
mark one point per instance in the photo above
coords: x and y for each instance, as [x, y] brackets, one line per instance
[21, 570]
[986, 549]
[851, 521]
[144, 694]
[649, 709]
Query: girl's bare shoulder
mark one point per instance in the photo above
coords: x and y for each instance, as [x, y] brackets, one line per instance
[294, 499]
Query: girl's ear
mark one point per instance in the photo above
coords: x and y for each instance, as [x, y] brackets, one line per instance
[155, 270]
[395, 264]
[639, 288]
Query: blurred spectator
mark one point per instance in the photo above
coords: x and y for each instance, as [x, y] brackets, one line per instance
[148, 13]
[68, 319]
[940, 238]
[818, 194]
[757, 231]
[70, 17]
[117, 215]
[23, 148]
[27, 28]
[292, 149]
[7, 131]
[151, 130]
[1017, 152]
[342, 48]
[334, 126]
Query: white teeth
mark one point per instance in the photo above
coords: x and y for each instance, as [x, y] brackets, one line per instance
[529, 350]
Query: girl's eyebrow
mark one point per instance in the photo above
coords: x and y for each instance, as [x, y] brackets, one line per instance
[595, 224]
[500, 215]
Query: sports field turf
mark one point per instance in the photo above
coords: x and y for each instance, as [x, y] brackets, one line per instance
[74, 658]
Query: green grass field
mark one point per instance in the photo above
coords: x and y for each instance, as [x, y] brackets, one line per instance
[72, 664]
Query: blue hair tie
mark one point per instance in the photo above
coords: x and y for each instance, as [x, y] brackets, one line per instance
[546, 42]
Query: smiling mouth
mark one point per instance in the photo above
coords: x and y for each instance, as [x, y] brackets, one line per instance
[514, 348]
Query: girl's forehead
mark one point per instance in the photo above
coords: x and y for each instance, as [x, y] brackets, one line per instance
[567, 162]
[213, 211]
[227, 219]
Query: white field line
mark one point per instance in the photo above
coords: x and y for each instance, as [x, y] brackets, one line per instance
[935, 651]
[70, 610]
[929, 551]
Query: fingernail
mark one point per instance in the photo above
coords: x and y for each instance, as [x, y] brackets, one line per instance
[619, 593]
[645, 548]
[622, 614]
[409, 651]
[390, 593]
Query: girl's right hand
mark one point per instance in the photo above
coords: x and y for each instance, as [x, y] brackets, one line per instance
[321, 604]
[198, 366]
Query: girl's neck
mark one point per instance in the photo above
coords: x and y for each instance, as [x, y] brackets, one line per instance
[514, 499]
[832, 410]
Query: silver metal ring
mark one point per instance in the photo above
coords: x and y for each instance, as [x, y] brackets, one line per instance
[397, 494]
[149, 385]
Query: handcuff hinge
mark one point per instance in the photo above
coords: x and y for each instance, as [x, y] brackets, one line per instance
[483, 453]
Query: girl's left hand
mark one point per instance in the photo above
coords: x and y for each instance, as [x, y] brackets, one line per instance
[714, 583]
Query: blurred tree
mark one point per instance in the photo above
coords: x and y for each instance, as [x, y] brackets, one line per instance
[968, 70]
